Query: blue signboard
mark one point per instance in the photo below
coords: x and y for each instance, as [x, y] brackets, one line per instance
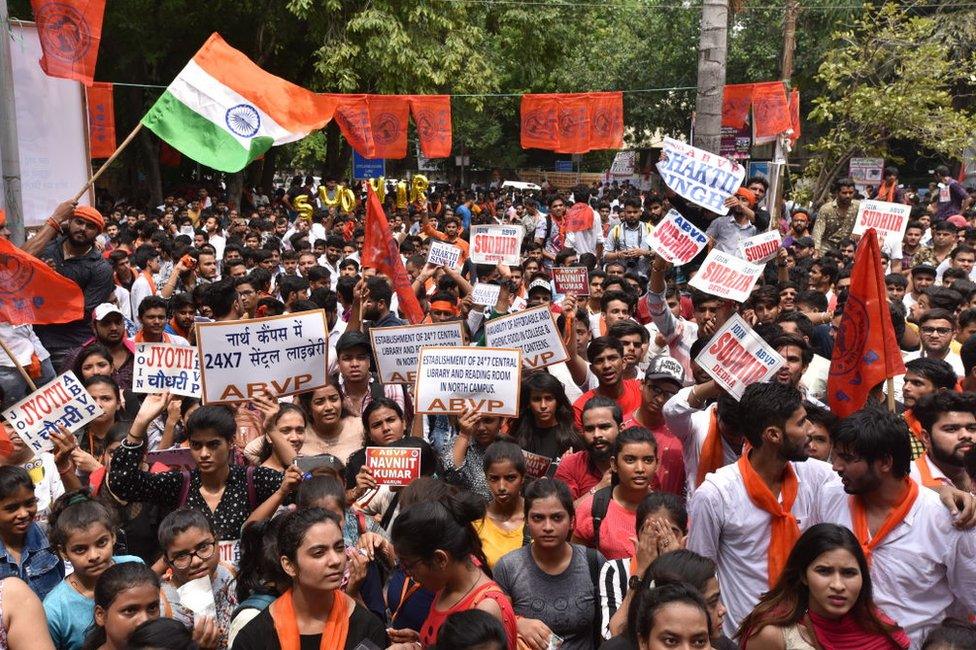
[758, 168]
[363, 168]
[564, 165]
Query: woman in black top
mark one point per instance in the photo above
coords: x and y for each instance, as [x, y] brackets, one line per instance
[545, 423]
[225, 493]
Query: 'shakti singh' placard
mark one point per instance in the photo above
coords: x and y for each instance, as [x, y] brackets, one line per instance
[496, 244]
[700, 176]
[395, 466]
[571, 279]
[485, 294]
[282, 355]
[726, 276]
[889, 219]
[761, 248]
[62, 402]
[485, 380]
[533, 331]
[736, 356]
[676, 239]
[443, 254]
[396, 348]
[164, 366]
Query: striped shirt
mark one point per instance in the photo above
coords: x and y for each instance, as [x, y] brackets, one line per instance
[614, 578]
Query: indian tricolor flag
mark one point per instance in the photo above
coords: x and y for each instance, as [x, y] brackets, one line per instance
[223, 111]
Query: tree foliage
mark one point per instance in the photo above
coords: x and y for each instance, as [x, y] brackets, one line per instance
[889, 77]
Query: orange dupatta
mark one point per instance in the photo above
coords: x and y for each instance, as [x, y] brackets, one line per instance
[913, 424]
[925, 474]
[859, 519]
[286, 623]
[712, 456]
[149, 279]
[784, 530]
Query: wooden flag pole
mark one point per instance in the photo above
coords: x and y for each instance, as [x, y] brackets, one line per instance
[891, 394]
[125, 143]
[23, 373]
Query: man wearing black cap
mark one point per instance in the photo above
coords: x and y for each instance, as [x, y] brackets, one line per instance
[359, 385]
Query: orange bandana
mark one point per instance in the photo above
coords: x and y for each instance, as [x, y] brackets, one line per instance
[784, 530]
[286, 623]
[712, 455]
[859, 518]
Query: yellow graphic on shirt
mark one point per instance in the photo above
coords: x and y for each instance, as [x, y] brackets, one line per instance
[36, 470]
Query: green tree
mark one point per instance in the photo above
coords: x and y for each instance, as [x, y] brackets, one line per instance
[889, 77]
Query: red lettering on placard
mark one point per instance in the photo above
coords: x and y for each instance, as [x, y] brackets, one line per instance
[728, 277]
[737, 359]
[49, 399]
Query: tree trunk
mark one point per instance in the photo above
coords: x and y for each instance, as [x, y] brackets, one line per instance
[711, 75]
[268, 170]
[789, 39]
[154, 177]
[235, 186]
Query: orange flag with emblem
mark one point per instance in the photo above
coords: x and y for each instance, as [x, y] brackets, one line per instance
[70, 32]
[31, 292]
[380, 252]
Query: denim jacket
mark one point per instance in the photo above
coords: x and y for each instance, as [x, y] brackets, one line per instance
[40, 566]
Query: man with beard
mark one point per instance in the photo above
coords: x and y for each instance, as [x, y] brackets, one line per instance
[333, 254]
[923, 563]
[108, 324]
[73, 255]
[799, 227]
[588, 470]
[371, 304]
[923, 377]
[835, 220]
[184, 314]
[663, 379]
[948, 421]
[747, 516]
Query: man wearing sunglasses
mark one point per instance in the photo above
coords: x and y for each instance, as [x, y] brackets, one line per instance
[937, 328]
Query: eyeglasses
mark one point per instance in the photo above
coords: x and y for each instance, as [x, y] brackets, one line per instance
[204, 551]
[657, 391]
[941, 331]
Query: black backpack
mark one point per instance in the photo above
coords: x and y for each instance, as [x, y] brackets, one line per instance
[601, 503]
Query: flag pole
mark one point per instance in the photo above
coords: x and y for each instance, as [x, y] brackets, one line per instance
[891, 393]
[23, 373]
[129, 138]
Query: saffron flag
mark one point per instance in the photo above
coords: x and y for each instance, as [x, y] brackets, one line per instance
[70, 32]
[380, 252]
[572, 122]
[795, 115]
[736, 102]
[770, 111]
[432, 117]
[866, 351]
[31, 292]
[388, 115]
[223, 111]
[101, 120]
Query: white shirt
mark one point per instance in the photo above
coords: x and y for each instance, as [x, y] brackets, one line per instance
[585, 241]
[690, 426]
[573, 391]
[727, 527]
[920, 568]
[139, 292]
[47, 483]
[952, 358]
[22, 343]
[679, 333]
[936, 473]
[815, 377]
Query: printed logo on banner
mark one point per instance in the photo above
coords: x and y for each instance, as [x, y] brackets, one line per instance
[676, 239]
[726, 276]
[162, 366]
[889, 219]
[64, 31]
[486, 380]
[243, 120]
[571, 279]
[394, 466]
[485, 294]
[736, 356]
[442, 254]
[702, 177]
[63, 402]
[533, 331]
[396, 348]
[496, 244]
[281, 355]
[761, 248]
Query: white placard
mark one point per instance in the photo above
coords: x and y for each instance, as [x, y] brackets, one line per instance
[487, 380]
[485, 294]
[726, 276]
[443, 254]
[279, 354]
[702, 177]
[890, 220]
[736, 356]
[63, 401]
[676, 239]
[52, 130]
[761, 248]
[164, 366]
[533, 331]
[496, 244]
[396, 349]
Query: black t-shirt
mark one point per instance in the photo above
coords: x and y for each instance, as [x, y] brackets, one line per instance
[259, 633]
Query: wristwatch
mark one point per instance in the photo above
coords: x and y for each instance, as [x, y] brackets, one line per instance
[633, 582]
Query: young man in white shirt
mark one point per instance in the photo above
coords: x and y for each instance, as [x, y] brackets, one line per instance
[923, 565]
[747, 515]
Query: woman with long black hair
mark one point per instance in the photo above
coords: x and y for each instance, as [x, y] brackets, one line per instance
[545, 424]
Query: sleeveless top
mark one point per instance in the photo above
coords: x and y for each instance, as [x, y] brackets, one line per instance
[793, 637]
[488, 591]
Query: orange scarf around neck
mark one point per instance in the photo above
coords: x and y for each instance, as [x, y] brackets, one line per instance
[141, 338]
[784, 530]
[925, 474]
[859, 518]
[152, 283]
[913, 424]
[286, 623]
[712, 455]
